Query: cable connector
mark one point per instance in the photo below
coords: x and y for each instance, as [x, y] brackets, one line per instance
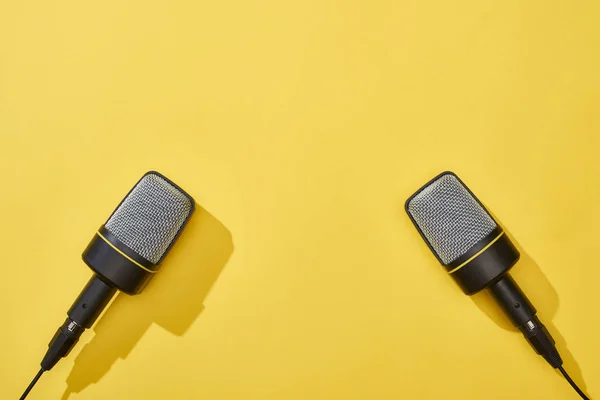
[61, 344]
[542, 342]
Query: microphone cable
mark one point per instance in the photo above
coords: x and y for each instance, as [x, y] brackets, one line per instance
[32, 384]
[553, 358]
[573, 384]
[560, 368]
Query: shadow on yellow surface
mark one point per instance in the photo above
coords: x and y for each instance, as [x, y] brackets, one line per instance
[173, 300]
[537, 288]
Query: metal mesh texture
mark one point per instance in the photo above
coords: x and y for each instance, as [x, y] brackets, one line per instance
[149, 218]
[451, 219]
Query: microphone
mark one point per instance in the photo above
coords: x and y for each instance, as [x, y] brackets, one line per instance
[124, 254]
[477, 254]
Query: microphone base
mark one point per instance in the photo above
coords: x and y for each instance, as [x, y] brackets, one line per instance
[485, 263]
[119, 266]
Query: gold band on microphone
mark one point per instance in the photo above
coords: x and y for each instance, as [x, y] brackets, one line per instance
[126, 256]
[478, 253]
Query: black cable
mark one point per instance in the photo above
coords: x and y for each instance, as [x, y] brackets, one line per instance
[32, 384]
[568, 378]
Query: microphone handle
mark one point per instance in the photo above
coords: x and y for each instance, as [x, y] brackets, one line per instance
[81, 316]
[522, 314]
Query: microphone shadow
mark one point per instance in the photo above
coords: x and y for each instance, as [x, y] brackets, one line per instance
[173, 299]
[543, 296]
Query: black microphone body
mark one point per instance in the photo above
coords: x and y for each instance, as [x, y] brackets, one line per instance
[124, 254]
[476, 252]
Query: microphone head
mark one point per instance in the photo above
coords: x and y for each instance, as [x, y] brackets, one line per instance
[128, 248]
[460, 232]
[151, 216]
[449, 217]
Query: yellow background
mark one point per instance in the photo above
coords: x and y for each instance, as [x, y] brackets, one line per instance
[300, 128]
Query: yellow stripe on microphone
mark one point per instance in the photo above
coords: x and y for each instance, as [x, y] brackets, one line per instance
[477, 254]
[125, 255]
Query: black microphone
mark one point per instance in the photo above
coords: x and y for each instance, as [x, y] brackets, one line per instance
[477, 254]
[124, 254]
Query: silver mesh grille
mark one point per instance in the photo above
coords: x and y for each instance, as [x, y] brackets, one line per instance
[450, 217]
[149, 218]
